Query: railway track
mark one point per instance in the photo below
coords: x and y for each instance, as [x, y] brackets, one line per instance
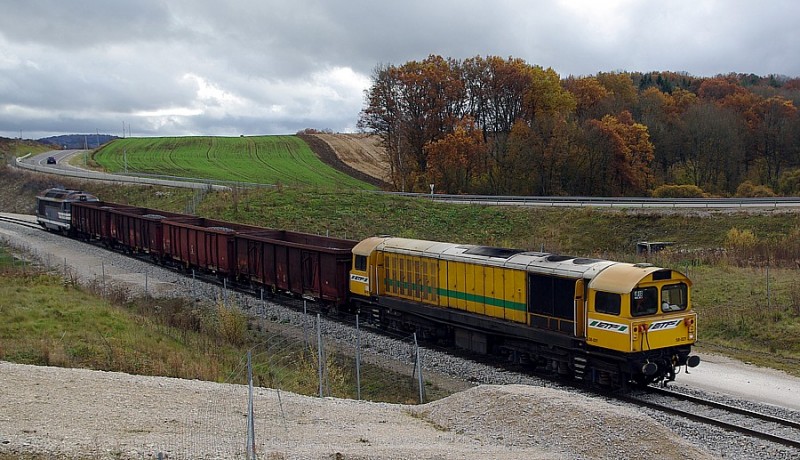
[17, 221]
[737, 419]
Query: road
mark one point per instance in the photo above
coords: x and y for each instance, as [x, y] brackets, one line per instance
[63, 167]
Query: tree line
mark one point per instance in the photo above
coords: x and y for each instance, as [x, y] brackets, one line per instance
[490, 125]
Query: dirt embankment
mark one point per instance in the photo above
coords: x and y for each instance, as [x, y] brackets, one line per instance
[358, 155]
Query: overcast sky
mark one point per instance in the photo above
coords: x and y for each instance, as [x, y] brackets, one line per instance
[211, 67]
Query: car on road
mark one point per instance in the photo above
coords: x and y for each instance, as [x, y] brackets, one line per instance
[51, 160]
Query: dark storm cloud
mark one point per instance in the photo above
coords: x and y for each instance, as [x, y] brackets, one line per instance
[254, 67]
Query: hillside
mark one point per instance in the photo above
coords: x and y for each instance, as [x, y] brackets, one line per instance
[277, 159]
[358, 155]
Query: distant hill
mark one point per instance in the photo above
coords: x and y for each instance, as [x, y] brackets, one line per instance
[78, 141]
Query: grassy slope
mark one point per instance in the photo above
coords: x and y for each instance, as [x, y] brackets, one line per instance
[260, 159]
[47, 322]
[735, 313]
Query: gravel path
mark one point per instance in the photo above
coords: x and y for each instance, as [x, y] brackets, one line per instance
[73, 413]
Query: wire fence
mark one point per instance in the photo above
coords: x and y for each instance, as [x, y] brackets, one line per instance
[238, 420]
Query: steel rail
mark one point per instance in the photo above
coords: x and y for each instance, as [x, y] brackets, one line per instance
[727, 407]
[22, 222]
[794, 443]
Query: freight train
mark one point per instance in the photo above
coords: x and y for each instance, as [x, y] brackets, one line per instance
[606, 323]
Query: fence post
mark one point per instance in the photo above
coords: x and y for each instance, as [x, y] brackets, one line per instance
[768, 293]
[319, 352]
[358, 360]
[251, 432]
[418, 367]
[305, 323]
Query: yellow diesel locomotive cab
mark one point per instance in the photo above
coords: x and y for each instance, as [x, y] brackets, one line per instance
[363, 275]
[625, 311]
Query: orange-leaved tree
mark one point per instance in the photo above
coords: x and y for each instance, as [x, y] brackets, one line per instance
[455, 162]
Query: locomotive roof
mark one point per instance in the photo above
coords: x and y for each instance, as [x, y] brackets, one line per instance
[62, 194]
[538, 262]
[606, 275]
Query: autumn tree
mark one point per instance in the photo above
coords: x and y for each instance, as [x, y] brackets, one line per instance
[541, 139]
[622, 94]
[382, 115]
[455, 161]
[661, 113]
[410, 106]
[773, 124]
[714, 158]
[588, 94]
[495, 89]
[621, 156]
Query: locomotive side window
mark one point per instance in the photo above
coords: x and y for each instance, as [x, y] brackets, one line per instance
[606, 302]
[361, 263]
[644, 301]
[674, 297]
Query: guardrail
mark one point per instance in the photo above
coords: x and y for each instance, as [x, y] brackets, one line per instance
[611, 202]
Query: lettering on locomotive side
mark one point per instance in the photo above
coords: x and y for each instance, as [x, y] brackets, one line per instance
[665, 325]
[609, 326]
[359, 278]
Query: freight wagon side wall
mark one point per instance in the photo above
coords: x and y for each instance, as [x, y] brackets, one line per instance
[298, 263]
[201, 243]
[92, 219]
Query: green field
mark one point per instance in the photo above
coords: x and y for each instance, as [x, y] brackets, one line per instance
[285, 160]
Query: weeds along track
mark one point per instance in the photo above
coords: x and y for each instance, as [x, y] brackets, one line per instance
[780, 429]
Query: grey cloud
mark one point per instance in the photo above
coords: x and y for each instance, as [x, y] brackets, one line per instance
[172, 67]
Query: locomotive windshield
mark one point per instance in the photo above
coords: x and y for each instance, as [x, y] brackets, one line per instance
[644, 301]
[674, 297]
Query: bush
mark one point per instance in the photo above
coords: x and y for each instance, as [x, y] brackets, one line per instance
[737, 240]
[678, 191]
[789, 183]
[749, 190]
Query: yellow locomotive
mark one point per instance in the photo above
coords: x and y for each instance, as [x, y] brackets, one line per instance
[604, 322]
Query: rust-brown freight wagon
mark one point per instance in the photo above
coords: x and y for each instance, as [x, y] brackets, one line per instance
[141, 229]
[201, 243]
[93, 220]
[299, 263]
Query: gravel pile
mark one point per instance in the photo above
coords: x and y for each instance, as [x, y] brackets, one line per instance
[70, 412]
